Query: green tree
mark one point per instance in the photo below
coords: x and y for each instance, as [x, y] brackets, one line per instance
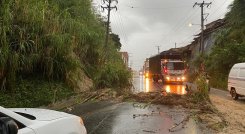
[229, 45]
[115, 38]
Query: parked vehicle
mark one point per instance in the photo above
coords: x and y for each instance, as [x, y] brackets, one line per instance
[167, 66]
[39, 121]
[236, 81]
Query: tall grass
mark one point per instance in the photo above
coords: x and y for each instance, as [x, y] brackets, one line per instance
[52, 39]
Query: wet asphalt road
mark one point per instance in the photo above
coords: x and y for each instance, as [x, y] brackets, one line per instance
[133, 118]
[142, 84]
[136, 118]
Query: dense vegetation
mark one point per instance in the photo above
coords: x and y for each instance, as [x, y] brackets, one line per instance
[54, 40]
[229, 45]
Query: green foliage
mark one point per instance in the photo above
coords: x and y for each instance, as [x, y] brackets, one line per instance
[114, 73]
[229, 46]
[197, 66]
[52, 40]
[34, 93]
[116, 40]
[202, 88]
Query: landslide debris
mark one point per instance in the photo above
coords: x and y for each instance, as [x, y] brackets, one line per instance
[201, 111]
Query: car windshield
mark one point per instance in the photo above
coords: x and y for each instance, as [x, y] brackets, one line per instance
[175, 66]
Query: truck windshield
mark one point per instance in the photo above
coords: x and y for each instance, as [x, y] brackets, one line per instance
[175, 66]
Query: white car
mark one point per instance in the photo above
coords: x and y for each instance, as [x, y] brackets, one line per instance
[236, 81]
[39, 121]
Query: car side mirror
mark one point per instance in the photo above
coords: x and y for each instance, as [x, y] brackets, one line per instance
[8, 126]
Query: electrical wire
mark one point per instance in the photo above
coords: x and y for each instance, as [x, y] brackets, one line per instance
[156, 8]
[182, 22]
[118, 26]
[218, 8]
[122, 24]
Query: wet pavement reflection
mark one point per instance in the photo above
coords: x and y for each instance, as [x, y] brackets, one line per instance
[142, 84]
[109, 117]
[134, 118]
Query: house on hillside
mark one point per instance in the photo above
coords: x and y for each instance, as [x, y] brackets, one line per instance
[209, 38]
[125, 57]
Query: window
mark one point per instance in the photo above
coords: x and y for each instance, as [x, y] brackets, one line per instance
[234, 72]
[175, 66]
[242, 73]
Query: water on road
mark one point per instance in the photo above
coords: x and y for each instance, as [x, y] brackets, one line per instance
[142, 84]
[134, 118]
[110, 117]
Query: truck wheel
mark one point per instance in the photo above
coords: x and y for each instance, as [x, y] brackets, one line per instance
[234, 95]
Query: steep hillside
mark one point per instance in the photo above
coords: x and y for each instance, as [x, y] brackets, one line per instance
[55, 41]
[229, 45]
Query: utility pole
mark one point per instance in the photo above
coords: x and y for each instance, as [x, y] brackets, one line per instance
[158, 49]
[175, 44]
[202, 5]
[108, 7]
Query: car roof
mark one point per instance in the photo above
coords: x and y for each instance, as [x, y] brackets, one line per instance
[239, 65]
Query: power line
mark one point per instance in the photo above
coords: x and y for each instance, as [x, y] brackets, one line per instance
[183, 25]
[202, 5]
[122, 24]
[215, 12]
[185, 40]
[182, 22]
[118, 27]
[156, 8]
[222, 14]
[108, 6]
[218, 8]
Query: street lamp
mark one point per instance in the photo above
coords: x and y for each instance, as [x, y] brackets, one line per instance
[191, 24]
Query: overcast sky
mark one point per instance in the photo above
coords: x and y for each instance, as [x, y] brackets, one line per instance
[144, 24]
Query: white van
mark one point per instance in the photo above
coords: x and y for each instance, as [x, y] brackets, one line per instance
[236, 81]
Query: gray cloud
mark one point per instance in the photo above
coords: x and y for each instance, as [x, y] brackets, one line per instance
[144, 24]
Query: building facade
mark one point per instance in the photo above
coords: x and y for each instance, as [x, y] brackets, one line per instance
[125, 58]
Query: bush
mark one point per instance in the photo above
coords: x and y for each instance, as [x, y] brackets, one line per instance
[113, 76]
[114, 73]
[202, 88]
[219, 81]
[34, 93]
